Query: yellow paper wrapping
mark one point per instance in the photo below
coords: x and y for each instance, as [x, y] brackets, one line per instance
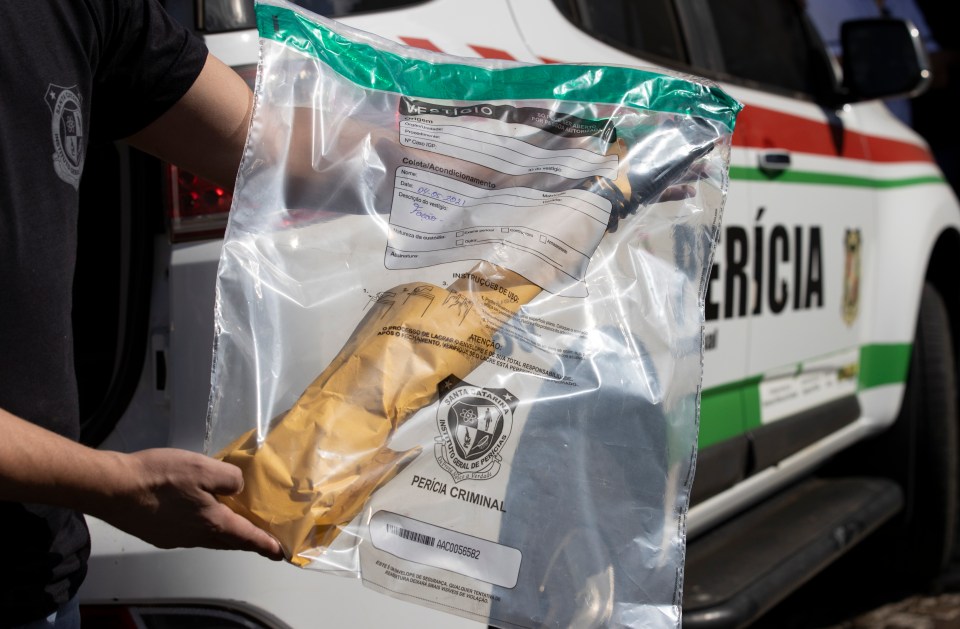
[313, 471]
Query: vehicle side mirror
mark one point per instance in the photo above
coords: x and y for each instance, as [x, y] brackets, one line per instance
[882, 58]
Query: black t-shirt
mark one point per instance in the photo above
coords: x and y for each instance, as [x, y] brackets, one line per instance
[72, 73]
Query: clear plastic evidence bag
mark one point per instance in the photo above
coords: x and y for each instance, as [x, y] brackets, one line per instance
[459, 322]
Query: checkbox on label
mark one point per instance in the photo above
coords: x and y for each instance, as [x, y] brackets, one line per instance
[459, 234]
[459, 243]
[505, 230]
[543, 239]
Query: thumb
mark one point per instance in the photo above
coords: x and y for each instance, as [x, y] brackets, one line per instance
[223, 478]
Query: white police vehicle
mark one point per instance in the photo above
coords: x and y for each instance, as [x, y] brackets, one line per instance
[829, 393]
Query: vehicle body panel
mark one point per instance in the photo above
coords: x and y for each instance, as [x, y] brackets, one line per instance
[275, 593]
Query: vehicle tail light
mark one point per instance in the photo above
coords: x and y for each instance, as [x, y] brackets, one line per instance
[197, 209]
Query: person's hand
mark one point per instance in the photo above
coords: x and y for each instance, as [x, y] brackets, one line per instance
[166, 496]
[168, 499]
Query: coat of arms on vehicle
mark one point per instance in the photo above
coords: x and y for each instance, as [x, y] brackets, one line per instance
[67, 131]
[851, 276]
[474, 423]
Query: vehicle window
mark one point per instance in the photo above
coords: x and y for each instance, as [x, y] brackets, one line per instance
[638, 26]
[771, 42]
[228, 15]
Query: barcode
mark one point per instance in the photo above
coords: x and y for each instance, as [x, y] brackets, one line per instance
[413, 536]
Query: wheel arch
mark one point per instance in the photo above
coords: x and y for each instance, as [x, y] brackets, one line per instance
[942, 272]
[917, 239]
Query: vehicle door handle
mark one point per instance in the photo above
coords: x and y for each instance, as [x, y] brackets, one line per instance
[774, 161]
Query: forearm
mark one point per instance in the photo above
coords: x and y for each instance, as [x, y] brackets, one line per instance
[164, 496]
[37, 465]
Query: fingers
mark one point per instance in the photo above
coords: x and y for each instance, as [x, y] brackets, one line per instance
[184, 512]
[243, 535]
[222, 478]
[226, 480]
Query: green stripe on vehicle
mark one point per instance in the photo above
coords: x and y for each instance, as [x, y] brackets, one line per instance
[734, 408]
[723, 410]
[882, 364]
[372, 68]
[829, 179]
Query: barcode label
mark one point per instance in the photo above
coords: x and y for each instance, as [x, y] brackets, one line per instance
[431, 545]
[413, 536]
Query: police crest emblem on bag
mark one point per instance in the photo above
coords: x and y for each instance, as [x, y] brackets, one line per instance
[67, 132]
[474, 424]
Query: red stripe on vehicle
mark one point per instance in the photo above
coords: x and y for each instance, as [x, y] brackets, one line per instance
[767, 129]
[762, 128]
[492, 53]
[419, 42]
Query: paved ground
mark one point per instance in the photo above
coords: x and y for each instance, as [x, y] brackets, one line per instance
[844, 603]
[913, 612]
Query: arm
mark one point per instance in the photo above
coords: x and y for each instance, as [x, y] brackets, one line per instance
[205, 131]
[164, 496]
